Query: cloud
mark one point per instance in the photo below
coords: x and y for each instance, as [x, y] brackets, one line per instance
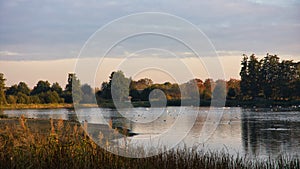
[8, 53]
[284, 3]
[52, 29]
[231, 53]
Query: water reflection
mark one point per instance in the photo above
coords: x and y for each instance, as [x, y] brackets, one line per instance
[270, 133]
[65, 114]
[256, 133]
[226, 137]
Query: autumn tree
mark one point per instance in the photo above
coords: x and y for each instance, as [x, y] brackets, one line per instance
[208, 88]
[233, 89]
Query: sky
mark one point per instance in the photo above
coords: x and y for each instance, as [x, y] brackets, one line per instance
[41, 39]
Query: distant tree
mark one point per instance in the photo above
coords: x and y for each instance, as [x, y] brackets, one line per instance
[189, 90]
[135, 94]
[52, 97]
[105, 91]
[87, 94]
[200, 85]
[296, 90]
[72, 92]
[219, 92]
[12, 90]
[140, 84]
[119, 86]
[208, 88]
[35, 99]
[167, 84]
[11, 99]
[18, 94]
[144, 94]
[287, 77]
[2, 89]
[270, 76]
[23, 88]
[231, 94]
[57, 88]
[23, 98]
[233, 88]
[245, 81]
[172, 91]
[253, 75]
[41, 87]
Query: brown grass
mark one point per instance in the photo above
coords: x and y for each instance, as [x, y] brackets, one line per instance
[27, 143]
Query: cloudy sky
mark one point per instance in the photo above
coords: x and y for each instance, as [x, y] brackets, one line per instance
[41, 39]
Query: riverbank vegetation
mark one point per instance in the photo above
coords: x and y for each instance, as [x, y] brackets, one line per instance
[28, 143]
[267, 82]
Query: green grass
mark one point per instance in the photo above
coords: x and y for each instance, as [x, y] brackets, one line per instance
[28, 143]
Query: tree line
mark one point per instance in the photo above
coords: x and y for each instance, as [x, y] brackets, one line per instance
[44, 92]
[267, 79]
[139, 90]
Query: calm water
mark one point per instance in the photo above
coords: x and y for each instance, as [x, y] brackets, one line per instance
[236, 130]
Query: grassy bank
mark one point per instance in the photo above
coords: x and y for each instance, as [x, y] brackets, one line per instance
[203, 103]
[44, 106]
[27, 143]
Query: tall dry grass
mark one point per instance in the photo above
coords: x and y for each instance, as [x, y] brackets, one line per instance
[62, 144]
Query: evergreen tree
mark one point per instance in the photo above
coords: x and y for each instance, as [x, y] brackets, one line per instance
[72, 91]
[286, 79]
[270, 76]
[245, 88]
[253, 76]
[2, 90]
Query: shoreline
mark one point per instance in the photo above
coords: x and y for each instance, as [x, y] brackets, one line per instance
[44, 106]
[265, 104]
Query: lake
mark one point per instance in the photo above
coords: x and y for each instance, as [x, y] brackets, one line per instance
[255, 133]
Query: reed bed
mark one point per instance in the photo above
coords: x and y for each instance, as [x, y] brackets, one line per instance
[64, 144]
